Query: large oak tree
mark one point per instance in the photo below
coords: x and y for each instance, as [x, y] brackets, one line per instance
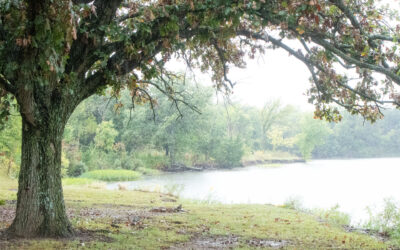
[56, 53]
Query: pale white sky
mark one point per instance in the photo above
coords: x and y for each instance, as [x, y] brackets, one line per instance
[273, 75]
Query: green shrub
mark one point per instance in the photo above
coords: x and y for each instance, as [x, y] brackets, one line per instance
[2, 202]
[386, 221]
[134, 164]
[294, 203]
[229, 153]
[112, 175]
[333, 215]
[152, 159]
[76, 169]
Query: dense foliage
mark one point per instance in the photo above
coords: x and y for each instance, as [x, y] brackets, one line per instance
[55, 54]
[239, 130]
[104, 134]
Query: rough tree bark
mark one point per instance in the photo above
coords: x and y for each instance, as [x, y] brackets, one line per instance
[40, 205]
[48, 87]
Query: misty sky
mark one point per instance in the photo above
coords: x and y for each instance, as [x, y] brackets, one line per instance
[274, 75]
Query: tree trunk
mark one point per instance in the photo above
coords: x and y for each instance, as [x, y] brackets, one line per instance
[9, 167]
[166, 150]
[40, 205]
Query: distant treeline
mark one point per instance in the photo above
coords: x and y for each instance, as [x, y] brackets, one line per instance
[109, 133]
[355, 138]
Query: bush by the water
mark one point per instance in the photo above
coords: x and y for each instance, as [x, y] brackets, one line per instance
[229, 153]
[112, 175]
[333, 215]
[76, 169]
[386, 221]
[295, 203]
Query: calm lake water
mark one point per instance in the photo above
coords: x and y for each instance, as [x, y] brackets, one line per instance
[352, 184]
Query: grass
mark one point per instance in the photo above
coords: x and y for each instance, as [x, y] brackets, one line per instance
[8, 187]
[77, 181]
[108, 214]
[112, 175]
[332, 215]
[84, 183]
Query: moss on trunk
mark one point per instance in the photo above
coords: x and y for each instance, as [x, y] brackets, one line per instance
[40, 206]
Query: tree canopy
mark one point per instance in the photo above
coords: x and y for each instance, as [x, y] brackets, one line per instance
[77, 48]
[55, 54]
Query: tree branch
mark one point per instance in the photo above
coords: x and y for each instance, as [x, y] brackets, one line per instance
[81, 1]
[84, 46]
[349, 59]
[309, 63]
[6, 85]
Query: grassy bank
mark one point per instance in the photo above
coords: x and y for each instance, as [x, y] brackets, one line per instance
[143, 220]
[112, 175]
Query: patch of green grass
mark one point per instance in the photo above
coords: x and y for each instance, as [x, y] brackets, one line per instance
[112, 175]
[2, 202]
[331, 215]
[8, 187]
[77, 181]
[108, 215]
[163, 230]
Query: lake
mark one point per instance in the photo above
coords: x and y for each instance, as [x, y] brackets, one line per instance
[352, 184]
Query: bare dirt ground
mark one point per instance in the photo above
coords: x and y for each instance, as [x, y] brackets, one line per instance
[126, 215]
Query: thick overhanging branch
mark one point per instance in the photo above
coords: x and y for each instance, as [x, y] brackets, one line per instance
[81, 1]
[392, 75]
[120, 65]
[310, 64]
[349, 14]
[382, 37]
[6, 85]
[83, 48]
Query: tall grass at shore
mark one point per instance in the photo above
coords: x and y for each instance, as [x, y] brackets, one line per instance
[112, 175]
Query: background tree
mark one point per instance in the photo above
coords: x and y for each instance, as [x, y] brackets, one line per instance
[313, 133]
[279, 139]
[10, 145]
[55, 54]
